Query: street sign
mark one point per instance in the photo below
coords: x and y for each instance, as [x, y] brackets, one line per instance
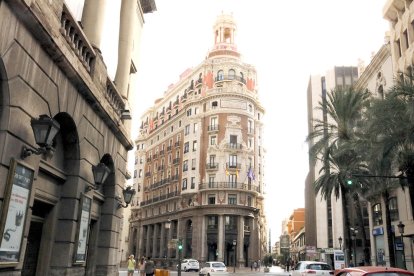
[172, 244]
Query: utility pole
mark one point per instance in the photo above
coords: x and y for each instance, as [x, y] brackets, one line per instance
[180, 250]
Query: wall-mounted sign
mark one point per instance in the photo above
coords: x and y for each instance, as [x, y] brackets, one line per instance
[83, 233]
[378, 231]
[13, 217]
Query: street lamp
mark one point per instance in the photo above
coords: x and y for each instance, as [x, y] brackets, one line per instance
[353, 237]
[128, 193]
[44, 131]
[167, 226]
[340, 242]
[235, 250]
[401, 230]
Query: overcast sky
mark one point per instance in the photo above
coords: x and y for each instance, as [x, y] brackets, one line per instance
[287, 41]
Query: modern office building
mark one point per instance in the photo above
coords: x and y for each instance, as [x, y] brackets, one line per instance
[199, 163]
[63, 122]
[324, 218]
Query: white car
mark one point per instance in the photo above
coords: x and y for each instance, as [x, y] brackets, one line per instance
[189, 264]
[311, 268]
[213, 268]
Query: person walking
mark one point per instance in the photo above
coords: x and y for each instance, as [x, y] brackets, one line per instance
[142, 266]
[149, 267]
[131, 265]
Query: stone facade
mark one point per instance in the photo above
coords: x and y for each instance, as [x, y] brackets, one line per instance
[48, 66]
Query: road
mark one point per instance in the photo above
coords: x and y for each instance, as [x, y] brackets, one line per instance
[245, 271]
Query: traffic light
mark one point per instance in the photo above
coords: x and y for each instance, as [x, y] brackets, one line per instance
[348, 179]
[180, 246]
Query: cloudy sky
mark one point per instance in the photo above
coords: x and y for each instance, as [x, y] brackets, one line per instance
[287, 41]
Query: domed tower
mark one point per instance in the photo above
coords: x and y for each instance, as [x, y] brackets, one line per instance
[201, 162]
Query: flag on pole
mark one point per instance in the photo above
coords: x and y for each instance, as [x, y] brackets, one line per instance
[250, 174]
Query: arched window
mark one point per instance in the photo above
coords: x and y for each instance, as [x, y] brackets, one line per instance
[393, 206]
[220, 75]
[241, 76]
[232, 74]
[214, 104]
[377, 214]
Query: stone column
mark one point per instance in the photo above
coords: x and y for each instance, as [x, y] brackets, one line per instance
[92, 20]
[240, 242]
[147, 245]
[169, 237]
[140, 241]
[203, 239]
[220, 245]
[163, 244]
[154, 252]
[125, 45]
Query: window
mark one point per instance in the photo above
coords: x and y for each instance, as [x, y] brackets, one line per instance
[195, 145]
[184, 184]
[250, 141]
[213, 140]
[195, 128]
[230, 222]
[186, 147]
[232, 74]
[136, 160]
[250, 108]
[141, 160]
[140, 173]
[232, 180]
[189, 112]
[232, 161]
[211, 181]
[232, 199]
[220, 75]
[172, 129]
[211, 199]
[212, 163]
[135, 173]
[179, 123]
[187, 130]
[212, 221]
[250, 128]
[185, 165]
[249, 201]
[193, 164]
[195, 110]
[214, 104]
[192, 182]
[393, 206]
[377, 214]
[233, 141]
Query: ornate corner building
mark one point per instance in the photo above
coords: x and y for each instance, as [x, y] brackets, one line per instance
[199, 163]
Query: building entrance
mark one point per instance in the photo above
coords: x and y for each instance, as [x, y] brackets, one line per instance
[32, 249]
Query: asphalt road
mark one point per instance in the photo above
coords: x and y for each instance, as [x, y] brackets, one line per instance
[245, 271]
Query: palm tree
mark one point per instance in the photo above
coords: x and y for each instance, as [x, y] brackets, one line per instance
[332, 144]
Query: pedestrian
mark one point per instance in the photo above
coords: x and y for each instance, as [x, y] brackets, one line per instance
[131, 265]
[255, 266]
[142, 266]
[287, 265]
[251, 266]
[259, 264]
[149, 267]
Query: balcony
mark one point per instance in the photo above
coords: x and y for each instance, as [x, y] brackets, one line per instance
[176, 161]
[169, 148]
[230, 78]
[212, 166]
[177, 144]
[161, 168]
[162, 152]
[147, 174]
[174, 178]
[231, 165]
[155, 156]
[159, 198]
[234, 146]
[149, 159]
[229, 185]
[212, 128]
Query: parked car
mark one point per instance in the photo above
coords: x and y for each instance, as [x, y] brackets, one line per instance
[213, 268]
[305, 268]
[190, 264]
[372, 271]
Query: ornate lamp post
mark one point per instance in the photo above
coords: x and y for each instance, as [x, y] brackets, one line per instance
[401, 230]
[167, 227]
[235, 250]
[340, 242]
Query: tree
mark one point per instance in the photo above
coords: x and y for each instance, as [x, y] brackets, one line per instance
[332, 143]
